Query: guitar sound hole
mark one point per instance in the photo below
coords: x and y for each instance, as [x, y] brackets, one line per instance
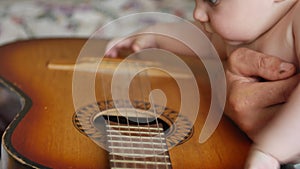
[91, 122]
[130, 122]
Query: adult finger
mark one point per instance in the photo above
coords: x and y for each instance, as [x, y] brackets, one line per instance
[264, 94]
[246, 62]
[274, 92]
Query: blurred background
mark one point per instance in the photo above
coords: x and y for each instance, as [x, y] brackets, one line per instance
[25, 19]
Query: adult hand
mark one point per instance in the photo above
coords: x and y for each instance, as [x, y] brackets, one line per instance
[258, 85]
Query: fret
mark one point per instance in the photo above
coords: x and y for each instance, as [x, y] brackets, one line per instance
[132, 158]
[125, 168]
[138, 148]
[134, 127]
[141, 162]
[136, 137]
[142, 167]
[138, 152]
[138, 142]
[139, 155]
[135, 132]
[135, 144]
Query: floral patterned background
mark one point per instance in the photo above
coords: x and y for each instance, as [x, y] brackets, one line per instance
[24, 19]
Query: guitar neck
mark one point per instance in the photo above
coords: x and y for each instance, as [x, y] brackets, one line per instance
[137, 147]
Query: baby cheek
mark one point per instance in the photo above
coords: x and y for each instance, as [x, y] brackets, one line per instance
[234, 32]
[220, 27]
[224, 31]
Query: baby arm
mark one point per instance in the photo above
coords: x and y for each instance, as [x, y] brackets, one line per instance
[280, 140]
[148, 38]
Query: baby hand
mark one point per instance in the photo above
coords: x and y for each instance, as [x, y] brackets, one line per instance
[260, 160]
[135, 44]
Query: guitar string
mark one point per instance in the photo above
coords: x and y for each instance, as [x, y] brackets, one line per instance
[119, 124]
[156, 117]
[124, 103]
[122, 150]
[148, 87]
[144, 94]
[155, 113]
[137, 115]
[120, 133]
[127, 118]
[120, 139]
[106, 109]
[157, 123]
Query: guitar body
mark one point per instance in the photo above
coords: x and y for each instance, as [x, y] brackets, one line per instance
[43, 134]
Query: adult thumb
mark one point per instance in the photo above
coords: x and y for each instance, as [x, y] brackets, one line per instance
[249, 63]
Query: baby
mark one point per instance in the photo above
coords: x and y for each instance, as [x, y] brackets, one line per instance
[268, 26]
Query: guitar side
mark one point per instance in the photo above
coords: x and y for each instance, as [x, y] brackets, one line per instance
[43, 134]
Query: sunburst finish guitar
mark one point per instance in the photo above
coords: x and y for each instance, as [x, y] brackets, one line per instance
[48, 132]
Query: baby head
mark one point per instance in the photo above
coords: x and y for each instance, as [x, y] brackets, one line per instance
[240, 21]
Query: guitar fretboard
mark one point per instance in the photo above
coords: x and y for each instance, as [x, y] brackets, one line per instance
[137, 147]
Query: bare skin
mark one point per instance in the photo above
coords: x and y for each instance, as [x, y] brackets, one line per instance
[274, 34]
[245, 69]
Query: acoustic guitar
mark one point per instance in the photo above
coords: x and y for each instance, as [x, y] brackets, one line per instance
[49, 132]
